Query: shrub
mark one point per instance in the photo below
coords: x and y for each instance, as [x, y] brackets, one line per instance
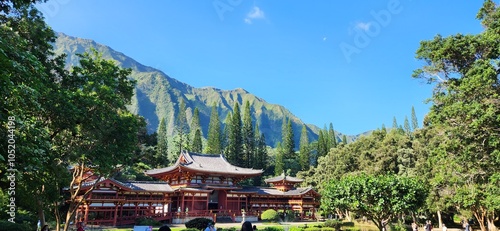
[190, 229]
[353, 229]
[335, 224]
[227, 229]
[327, 229]
[348, 224]
[314, 228]
[147, 221]
[198, 223]
[295, 228]
[398, 227]
[269, 215]
[273, 228]
[8, 226]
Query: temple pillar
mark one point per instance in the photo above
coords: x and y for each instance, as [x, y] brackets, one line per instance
[85, 217]
[116, 214]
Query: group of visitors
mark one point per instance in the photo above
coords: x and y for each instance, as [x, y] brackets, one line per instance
[79, 227]
[428, 226]
[246, 226]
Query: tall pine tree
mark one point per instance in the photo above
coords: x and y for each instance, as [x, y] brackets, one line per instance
[305, 151]
[181, 130]
[214, 139]
[225, 135]
[260, 157]
[394, 123]
[407, 126]
[197, 144]
[196, 134]
[248, 137]
[235, 145]
[322, 144]
[161, 158]
[414, 121]
[288, 141]
[332, 137]
[279, 165]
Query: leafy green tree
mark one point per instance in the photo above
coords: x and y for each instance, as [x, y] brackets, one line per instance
[235, 145]
[214, 139]
[106, 133]
[248, 136]
[63, 118]
[466, 109]
[305, 152]
[161, 157]
[28, 70]
[379, 198]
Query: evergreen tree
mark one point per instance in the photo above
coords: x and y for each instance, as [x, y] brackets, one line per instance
[197, 145]
[161, 157]
[181, 131]
[407, 126]
[248, 137]
[305, 152]
[235, 145]
[332, 137]
[288, 140]
[414, 121]
[344, 139]
[260, 158]
[322, 144]
[394, 123]
[225, 135]
[196, 139]
[279, 164]
[290, 159]
[214, 139]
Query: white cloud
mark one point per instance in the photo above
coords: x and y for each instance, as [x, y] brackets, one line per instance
[363, 26]
[324, 38]
[255, 13]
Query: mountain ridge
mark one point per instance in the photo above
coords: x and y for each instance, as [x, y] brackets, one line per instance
[157, 95]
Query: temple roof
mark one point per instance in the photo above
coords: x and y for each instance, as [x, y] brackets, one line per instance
[276, 192]
[283, 178]
[149, 186]
[145, 186]
[214, 164]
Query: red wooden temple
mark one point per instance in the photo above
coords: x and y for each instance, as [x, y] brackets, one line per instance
[197, 185]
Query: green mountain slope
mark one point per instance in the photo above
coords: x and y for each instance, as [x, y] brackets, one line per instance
[157, 95]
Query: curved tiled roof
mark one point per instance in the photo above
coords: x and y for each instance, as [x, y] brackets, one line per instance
[151, 186]
[283, 178]
[276, 192]
[205, 163]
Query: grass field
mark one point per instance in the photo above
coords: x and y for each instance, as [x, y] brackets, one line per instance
[260, 225]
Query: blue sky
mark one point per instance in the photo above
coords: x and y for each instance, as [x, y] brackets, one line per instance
[343, 62]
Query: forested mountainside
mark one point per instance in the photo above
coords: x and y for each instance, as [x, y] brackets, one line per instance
[158, 95]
